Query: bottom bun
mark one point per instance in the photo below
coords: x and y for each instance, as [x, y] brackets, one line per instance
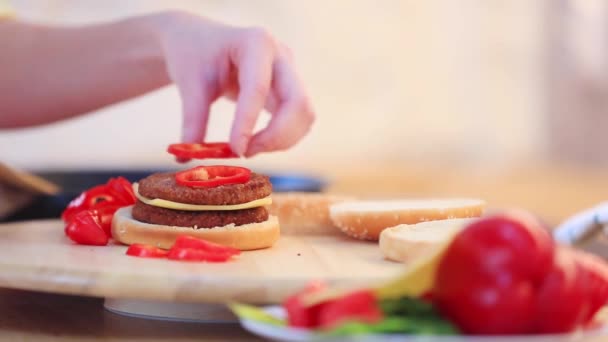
[127, 230]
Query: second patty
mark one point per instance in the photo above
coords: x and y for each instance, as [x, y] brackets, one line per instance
[199, 219]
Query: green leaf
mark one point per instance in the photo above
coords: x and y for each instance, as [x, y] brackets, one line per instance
[255, 314]
[402, 316]
[397, 325]
[407, 307]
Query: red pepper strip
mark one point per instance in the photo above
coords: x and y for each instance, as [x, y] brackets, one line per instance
[213, 176]
[184, 152]
[85, 228]
[192, 254]
[146, 251]
[186, 241]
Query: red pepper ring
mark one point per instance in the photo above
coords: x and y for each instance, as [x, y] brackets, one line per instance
[184, 152]
[213, 176]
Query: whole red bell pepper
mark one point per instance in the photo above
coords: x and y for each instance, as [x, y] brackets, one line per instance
[503, 274]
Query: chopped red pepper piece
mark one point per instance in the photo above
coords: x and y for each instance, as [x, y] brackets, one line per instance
[146, 251]
[105, 215]
[184, 152]
[213, 176]
[85, 228]
[193, 254]
[122, 190]
[188, 248]
[117, 192]
[186, 241]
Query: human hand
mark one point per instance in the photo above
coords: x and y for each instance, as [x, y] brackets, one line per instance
[208, 60]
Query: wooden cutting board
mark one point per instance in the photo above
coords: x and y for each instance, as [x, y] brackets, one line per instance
[35, 255]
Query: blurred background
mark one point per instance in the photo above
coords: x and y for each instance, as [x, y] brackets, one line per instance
[500, 99]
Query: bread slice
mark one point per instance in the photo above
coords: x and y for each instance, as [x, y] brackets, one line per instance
[408, 242]
[305, 213]
[365, 220]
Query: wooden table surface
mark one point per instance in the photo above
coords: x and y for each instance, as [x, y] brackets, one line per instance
[26, 315]
[552, 192]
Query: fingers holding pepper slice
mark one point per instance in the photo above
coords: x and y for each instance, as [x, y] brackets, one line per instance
[213, 176]
[184, 152]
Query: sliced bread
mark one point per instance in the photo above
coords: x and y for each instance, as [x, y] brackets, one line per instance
[365, 220]
[408, 242]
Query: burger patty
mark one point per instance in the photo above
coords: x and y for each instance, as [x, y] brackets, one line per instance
[198, 219]
[163, 185]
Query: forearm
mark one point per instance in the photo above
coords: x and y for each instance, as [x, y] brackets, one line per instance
[52, 73]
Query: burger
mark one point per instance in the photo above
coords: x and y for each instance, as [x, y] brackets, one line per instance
[218, 203]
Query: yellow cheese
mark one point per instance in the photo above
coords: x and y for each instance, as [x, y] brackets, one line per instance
[157, 202]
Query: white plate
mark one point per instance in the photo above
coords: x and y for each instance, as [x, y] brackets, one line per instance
[281, 333]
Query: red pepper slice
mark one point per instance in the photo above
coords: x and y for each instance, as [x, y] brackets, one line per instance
[122, 190]
[360, 306]
[105, 215]
[213, 176]
[117, 192]
[186, 241]
[85, 229]
[146, 251]
[193, 254]
[184, 152]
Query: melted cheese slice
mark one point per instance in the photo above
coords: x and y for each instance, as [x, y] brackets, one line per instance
[157, 202]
